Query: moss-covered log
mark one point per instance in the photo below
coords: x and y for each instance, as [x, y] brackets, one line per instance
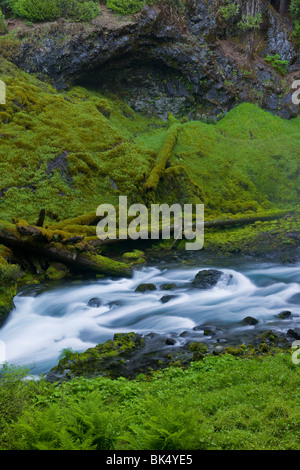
[162, 159]
[33, 240]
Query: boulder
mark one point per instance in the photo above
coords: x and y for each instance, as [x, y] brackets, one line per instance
[207, 278]
[145, 287]
[284, 315]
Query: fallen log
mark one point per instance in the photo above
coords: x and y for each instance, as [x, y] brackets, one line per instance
[162, 160]
[33, 243]
[35, 240]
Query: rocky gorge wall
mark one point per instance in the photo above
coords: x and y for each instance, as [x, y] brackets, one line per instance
[194, 63]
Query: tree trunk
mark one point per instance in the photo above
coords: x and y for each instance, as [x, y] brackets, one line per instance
[283, 7]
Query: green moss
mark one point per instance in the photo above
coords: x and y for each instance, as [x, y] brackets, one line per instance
[168, 286]
[56, 271]
[145, 287]
[103, 358]
[245, 165]
[135, 254]
[7, 293]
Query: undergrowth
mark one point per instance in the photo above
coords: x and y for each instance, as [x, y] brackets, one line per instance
[219, 403]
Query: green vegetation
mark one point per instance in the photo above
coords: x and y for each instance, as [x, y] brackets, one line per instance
[3, 26]
[230, 11]
[247, 163]
[224, 402]
[295, 11]
[127, 7]
[278, 64]
[249, 22]
[50, 10]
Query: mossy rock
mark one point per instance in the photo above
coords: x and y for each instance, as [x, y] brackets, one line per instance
[109, 358]
[168, 286]
[134, 255]
[7, 294]
[57, 271]
[145, 287]
[198, 346]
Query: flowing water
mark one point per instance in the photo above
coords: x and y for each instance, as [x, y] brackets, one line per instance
[44, 323]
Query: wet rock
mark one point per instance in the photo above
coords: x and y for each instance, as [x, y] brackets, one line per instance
[207, 278]
[295, 333]
[170, 341]
[159, 65]
[284, 315]
[184, 334]
[168, 286]
[249, 321]
[167, 298]
[114, 304]
[95, 302]
[198, 346]
[145, 287]
[218, 349]
[269, 337]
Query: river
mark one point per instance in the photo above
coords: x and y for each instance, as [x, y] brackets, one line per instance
[45, 321]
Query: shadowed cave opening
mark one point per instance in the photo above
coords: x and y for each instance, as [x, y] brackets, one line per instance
[147, 86]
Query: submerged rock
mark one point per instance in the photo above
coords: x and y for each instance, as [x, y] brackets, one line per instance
[249, 321]
[145, 287]
[95, 302]
[167, 298]
[168, 286]
[284, 315]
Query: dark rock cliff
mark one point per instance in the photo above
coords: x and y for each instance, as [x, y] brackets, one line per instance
[194, 63]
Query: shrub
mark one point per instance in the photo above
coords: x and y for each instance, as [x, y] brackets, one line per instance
[14, 396]
[230, 11]
[80, 10]
[3, 25]
[249, 22]
[126, 7]
[49, 10]
[295, 11]
[36, 10]
[277, 63]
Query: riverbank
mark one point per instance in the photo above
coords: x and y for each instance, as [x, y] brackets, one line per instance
[219, 403]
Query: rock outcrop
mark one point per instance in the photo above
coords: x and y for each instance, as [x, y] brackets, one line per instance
[195, 63]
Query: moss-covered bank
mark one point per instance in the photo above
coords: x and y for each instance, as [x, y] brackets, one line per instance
[64, 153]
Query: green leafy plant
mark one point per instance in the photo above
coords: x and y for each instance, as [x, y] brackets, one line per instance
[295, 12]
[230, 11]
[3, 25]
[278, 64]
[49, 10]
[126, 7]
[249, 22]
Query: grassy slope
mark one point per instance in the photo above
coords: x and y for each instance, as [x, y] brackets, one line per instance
[248, 162]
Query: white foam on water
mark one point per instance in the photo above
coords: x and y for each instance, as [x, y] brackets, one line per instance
[41, 326]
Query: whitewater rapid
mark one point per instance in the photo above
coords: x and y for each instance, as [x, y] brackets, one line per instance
[42, 324]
